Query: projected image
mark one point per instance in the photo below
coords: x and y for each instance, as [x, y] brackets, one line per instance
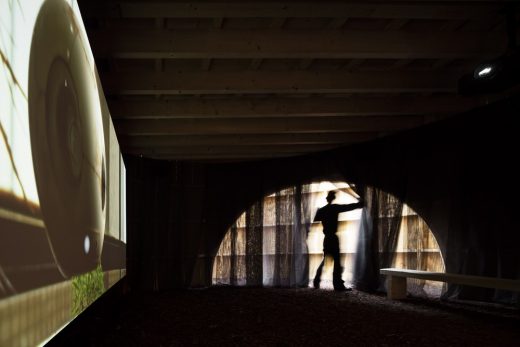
[62, 177]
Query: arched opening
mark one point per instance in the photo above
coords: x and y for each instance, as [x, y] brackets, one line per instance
[277, 243]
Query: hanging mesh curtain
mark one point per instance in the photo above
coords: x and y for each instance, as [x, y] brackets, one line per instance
[275, 242]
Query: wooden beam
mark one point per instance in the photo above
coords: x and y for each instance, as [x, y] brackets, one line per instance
[336, 23]
[218, 23]
[278, 82]
[206, 64]
[255, 64]
[306, 63]
[243, 140]
[294, 44]
[264, 125]
[398, 9]
[396, 24]
[159, 65]
[453, 25]
[213, 157]
[278, 22]
[441, 63]
[160, 23]
[290, 107]
[210, 151]
[353, 64]
[401, 63]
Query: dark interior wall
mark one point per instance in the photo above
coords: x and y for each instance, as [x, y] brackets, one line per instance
[178, 212]
[164, 211]
[461, 176]
[458, 174]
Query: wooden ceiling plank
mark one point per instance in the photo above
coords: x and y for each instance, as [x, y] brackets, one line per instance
[353, 64]
[160, 23]
[277, 82]
[441, 63]
[414, 10]
[206, 64]
[396, 24]
[294, 44]
[306, 64]
[218, 23]
[230, 151]
[255, 64]
[337, 23]
[290, 107]
[453, 25]
[159, 65]
[401, 63]
[264, 125]
[243, 140]
[278, 22]
[213, 157]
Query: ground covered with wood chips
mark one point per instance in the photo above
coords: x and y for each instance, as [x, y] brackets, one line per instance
[230, 316]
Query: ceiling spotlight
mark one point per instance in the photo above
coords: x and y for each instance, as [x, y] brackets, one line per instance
[484, 71]
[493, 76]
[500, 73]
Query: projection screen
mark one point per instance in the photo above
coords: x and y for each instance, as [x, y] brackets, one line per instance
[62, 177]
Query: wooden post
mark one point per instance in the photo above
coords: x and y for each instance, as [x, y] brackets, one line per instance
[396, 287]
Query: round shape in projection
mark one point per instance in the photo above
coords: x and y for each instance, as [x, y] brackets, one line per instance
[86, 244]
[67, 141]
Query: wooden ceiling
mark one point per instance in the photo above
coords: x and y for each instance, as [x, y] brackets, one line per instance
[241, 80]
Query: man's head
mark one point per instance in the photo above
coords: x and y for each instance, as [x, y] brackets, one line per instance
[331, 196]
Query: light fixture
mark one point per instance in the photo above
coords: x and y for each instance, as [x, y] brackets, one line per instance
[489, 69]
[484, 71]
[493, 76]
[500, 73]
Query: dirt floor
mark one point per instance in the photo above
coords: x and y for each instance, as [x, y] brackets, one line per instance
[224, 316]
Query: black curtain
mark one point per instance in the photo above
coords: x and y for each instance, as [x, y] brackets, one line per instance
[271, 241]
[254, 242]
[379, 231]
[449, 169]
[163, 222]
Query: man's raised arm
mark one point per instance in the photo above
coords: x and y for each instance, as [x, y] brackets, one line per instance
[350, 207]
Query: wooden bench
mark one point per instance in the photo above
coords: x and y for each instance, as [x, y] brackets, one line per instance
[396, 281]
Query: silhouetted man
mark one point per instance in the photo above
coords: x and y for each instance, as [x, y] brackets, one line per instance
[328, 216]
